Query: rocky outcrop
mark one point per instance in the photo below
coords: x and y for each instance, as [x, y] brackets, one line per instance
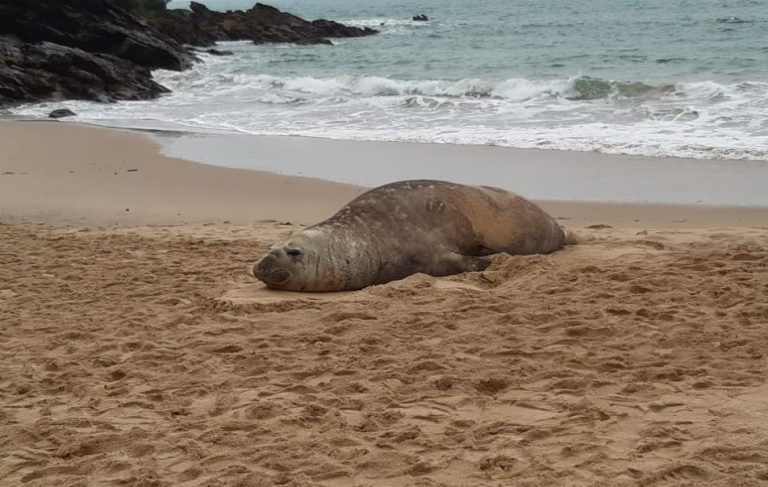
[94, 26]
[80, 49]
[93, 50]
[217, 52]
[61, 113]
[200, 26]
[182, 26]
[47, 71]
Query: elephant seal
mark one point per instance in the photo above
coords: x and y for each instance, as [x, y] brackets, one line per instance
[393, 231]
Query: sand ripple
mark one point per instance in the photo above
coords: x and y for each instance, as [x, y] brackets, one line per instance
[147, 357]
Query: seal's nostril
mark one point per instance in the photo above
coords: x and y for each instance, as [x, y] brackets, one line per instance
[263, 266]
[268, 270]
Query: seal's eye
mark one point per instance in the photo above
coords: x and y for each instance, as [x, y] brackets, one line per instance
[293, 252]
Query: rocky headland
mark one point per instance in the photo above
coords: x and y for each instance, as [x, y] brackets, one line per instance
[94, 50]
[261, 24]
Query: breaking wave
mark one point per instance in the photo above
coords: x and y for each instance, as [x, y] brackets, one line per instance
[516, 89]
[686, 119]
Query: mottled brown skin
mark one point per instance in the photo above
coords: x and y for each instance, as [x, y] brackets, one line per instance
[399, 229]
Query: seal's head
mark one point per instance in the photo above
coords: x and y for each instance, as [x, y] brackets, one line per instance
[291, 265]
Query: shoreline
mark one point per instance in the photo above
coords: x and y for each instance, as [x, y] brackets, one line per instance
[93, 175]
[539, 174]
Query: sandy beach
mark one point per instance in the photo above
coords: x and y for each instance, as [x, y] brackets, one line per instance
[136, 350]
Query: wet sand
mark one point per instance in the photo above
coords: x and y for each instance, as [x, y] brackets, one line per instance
[135, 349]
[539, 174]
[68, 174]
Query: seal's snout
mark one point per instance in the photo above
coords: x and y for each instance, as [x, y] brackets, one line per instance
[268, 271]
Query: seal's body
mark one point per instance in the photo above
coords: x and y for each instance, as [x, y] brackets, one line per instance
[399, 229]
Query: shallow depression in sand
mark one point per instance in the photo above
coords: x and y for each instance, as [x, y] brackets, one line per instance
[257, 293]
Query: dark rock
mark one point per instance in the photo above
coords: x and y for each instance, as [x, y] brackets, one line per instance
[260, 24]
[213, 52]
[200, 11]
[181, 26]
[83, 49]
[420, 18]
[46, 71]
[94, 26]
[217, 52]
[61, 113]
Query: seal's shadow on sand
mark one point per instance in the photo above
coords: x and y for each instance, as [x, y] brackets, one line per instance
[256, 293]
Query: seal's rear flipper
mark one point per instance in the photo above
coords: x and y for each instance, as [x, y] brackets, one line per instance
[454, 263]
[574, 238]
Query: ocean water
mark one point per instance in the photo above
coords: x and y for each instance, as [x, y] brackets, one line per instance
[685, 78]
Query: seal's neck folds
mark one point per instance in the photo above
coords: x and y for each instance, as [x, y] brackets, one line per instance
[347, 259]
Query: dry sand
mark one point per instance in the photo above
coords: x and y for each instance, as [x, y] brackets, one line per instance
[142, 354]
[59, 174]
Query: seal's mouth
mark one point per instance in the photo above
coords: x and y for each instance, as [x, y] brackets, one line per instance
[265, 270]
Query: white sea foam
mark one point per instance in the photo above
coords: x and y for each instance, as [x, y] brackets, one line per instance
[384, 22]
[689, 119]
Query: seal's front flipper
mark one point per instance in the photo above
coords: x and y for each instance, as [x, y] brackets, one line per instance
[454, 263]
